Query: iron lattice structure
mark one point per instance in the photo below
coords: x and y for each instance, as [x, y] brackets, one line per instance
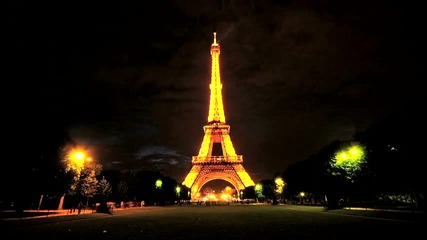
[217, 159]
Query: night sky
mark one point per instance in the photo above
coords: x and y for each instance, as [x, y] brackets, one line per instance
[130, 79]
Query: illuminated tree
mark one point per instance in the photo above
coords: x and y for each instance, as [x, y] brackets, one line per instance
[280, 184]
[258, 191]
[104, 188]
[75, 159]
[85, 184]
[89, 183]
[349, 161]
[178, 191]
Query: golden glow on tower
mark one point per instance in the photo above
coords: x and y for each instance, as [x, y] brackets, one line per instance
[191, 176]
[229, 149]
[227, 166]
[216, 107]
[204, 149]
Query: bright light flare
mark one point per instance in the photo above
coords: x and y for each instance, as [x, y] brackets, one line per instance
[159, 183]
[341, 157]
[350, 160]
[353, 154]
[76, 158]
[79, 156]
[258, 187]
[356, 152]
[225, 197]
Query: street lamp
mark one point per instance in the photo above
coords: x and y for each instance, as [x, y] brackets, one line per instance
[178, 193]
[178, 190]
[350, 160]
[258, 187]
[76, 159]
[301, 194]
[258, 191]
[159, 183]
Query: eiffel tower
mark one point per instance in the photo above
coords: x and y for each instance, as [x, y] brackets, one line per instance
[217, 159]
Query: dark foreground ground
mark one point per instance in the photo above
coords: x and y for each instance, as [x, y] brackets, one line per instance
[220, 223]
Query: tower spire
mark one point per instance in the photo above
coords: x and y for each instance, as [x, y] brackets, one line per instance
[216, 107]
[214, 43]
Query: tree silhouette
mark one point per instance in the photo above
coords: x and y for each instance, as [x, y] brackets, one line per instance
[104, 188]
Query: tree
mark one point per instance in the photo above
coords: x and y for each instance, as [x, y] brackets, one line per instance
[249, 192]
[313, 175]
[104, 188]
[279, 186]
[268, 188]
[349, 161]
[122, 189]
[395, 149]
[89, 184]
[85, 184]
[258, 191]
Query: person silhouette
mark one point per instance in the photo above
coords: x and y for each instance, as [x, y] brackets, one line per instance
[79, 207]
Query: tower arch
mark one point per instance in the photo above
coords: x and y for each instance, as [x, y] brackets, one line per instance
[205, 178]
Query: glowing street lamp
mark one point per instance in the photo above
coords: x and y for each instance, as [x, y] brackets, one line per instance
[178, 191]
[159, 183]
[76, 159]
[350, 159]
[258, 190]
[301, 195]
[353, 154]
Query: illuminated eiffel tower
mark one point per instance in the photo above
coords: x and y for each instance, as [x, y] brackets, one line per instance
[217, 159]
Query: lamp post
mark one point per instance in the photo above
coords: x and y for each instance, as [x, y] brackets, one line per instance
[158, 184]
[258, 191]
[301, 195]
[76, 160]
[77, 157]
[178, 193]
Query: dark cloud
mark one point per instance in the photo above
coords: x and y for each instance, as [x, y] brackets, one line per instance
[296, 74]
